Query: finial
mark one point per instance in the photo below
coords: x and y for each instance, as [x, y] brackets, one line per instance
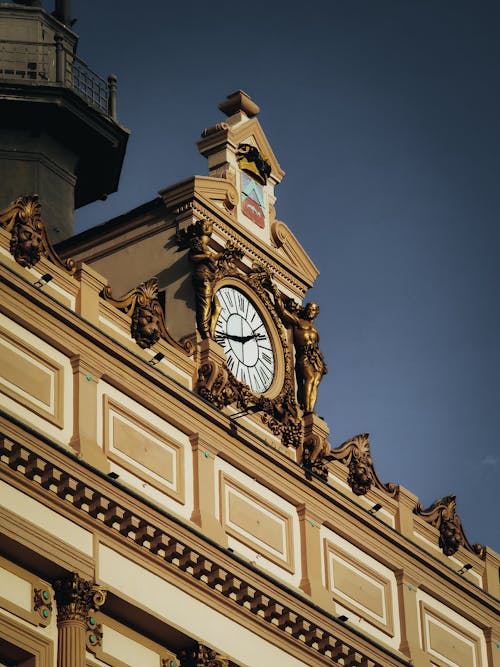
[239, 101]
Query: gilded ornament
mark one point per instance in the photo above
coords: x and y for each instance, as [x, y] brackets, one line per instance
[76, 598]
[355, 453]
[202, 656]
[208, 266]
[309, 363]
[147, 324]
[29, 240]
[442, 515]
[252, 162]
[218, 385]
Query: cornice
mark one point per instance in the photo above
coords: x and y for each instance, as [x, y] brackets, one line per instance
[181, 550]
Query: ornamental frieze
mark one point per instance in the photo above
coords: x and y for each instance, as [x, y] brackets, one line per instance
[29, 241]
[442, 515]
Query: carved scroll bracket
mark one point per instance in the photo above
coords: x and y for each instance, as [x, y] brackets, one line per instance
[442, 515]
[147, 318]
[355, 453]
[29, 241]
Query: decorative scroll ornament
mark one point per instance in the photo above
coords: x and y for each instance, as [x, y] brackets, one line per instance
[355, 453]
[309, 363]
[76, 598]
[42, 603]
[93, 635]
[202, 656]
[442, 515]
[29, 240]
[251, 161]
[147, 319]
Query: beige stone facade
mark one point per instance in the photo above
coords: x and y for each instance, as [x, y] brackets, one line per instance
[146, 519]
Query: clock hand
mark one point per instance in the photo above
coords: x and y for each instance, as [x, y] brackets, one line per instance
[238, 339]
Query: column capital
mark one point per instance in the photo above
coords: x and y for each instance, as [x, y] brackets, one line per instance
[76, 598]
[202, 656]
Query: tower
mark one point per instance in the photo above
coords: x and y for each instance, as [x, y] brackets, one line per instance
[59, 134]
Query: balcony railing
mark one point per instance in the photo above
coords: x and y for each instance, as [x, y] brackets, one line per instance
[51, 64]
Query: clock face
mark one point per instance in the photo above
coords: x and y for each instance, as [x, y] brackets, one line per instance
[242, 333]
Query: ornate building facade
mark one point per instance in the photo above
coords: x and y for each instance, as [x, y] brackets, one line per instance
[168, 495]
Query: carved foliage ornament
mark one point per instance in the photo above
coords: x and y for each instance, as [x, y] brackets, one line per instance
[147, 319]
[29, 240]
[202, 656]
[251, 161]
[355, 453]
[442, 515]
[76, 598]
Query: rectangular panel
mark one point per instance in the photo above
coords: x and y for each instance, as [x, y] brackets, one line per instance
[143, 449]
[31, 378]
[359, 587]
[257, 523]
[449, 644]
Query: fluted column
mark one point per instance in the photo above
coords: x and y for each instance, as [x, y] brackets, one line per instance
[76, 598]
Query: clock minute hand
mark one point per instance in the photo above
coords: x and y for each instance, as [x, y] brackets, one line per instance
[238, 339]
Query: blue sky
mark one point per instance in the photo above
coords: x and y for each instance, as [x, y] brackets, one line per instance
[384, 115]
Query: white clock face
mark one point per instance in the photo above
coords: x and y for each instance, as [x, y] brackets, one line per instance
[243, 335]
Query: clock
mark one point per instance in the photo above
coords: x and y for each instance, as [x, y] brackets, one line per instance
[241, 331]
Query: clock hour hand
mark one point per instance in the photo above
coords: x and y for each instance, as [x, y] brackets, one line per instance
[238, 339]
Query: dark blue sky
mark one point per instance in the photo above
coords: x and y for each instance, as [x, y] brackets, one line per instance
[385, 116]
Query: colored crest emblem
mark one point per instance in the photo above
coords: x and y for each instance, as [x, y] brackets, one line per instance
[252, 200]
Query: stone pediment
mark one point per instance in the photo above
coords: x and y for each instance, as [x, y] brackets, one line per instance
[286, 242]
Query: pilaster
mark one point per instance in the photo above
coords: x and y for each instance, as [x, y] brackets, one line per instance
[408, 615]
[404, 519]
[204, 481]
[491, 580]
[311, 558]
[84, 440]
[91, 284]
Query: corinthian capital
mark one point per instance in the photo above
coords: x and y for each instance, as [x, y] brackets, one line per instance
[76, 598]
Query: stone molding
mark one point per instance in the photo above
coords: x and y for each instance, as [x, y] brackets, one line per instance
[277, 615]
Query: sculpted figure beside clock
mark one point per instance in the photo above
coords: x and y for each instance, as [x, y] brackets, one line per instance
[309, 363]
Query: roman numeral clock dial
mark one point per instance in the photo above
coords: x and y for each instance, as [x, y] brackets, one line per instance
[241, 332]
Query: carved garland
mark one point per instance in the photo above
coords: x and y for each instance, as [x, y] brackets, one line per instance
[442, 515]
[216, 383]
[147, 318]
[29, 240]
[355, 453]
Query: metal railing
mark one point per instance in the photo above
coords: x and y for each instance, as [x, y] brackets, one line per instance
[44, 63]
